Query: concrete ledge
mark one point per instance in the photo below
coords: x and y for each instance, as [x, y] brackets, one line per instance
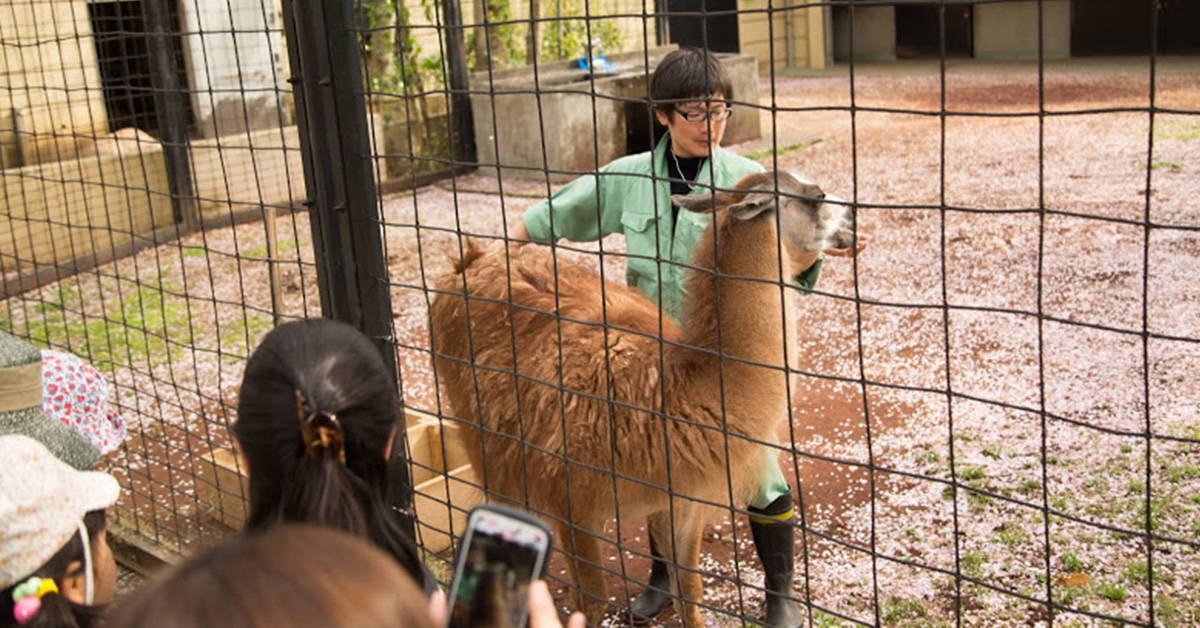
[583, 122]
[54, 212]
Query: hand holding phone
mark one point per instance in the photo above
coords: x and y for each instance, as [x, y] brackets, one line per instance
[502, 552]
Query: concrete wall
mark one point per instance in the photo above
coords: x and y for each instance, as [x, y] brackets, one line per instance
[790, 38]
[874, 33]
[1009, 30]
[51, 80]
[237, 65]
[241, 171]
[581, 126]
[53, 213]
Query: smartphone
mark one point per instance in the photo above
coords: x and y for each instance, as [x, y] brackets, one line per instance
[502, 551]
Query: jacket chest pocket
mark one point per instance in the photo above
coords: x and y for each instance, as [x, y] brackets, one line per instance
[641, 241]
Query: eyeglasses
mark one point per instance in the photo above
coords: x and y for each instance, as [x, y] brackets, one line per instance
[716, 114]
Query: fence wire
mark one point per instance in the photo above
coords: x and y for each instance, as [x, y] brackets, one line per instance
[994, 409]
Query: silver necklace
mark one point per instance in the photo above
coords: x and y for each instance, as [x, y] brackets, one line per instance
[679, 170]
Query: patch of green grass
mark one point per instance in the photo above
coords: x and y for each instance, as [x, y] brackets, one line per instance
[972, 562]
[928, 457]
[1150, 516]
[969, 474]
[1011, 536]
[284, 245]
[1182, 472]
[901, 612]
[1070, 562]
[992, 451]
[194, 251]
[1113, 592]
[1169, 165]
[1059, 503]
[1177, 131]
[779, 150]
[1136, 571]
[1031, 486]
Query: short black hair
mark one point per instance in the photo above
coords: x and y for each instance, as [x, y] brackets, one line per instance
[688, 73]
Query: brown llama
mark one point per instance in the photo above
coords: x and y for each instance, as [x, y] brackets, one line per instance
[616, 412]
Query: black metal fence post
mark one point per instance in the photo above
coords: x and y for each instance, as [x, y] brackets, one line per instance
[172, 114]
[463, 128]
[343, 207]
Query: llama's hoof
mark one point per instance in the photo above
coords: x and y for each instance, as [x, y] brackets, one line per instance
[648, 605]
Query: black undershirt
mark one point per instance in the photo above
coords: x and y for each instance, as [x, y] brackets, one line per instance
[688, 169]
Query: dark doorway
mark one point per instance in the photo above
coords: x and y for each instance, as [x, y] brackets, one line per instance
[123, 55]
[919, 30]
[1179, 27]
[1119, 27]
[719, 33]
[1110, 27]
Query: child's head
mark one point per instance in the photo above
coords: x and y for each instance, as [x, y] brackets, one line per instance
[689, 90]
[55, 563]
[292, 575]
[317, 415]
[23, 406]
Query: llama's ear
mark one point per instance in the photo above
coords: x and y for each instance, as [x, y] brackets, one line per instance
[752, 205]
[699, 203]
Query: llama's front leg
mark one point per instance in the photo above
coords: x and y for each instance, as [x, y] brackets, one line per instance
[680, 546]
[583, 548]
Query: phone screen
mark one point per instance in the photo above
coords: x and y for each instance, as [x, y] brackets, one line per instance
[501, 555]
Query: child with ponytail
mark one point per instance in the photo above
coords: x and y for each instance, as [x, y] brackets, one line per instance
[56, 569]
[317, 418]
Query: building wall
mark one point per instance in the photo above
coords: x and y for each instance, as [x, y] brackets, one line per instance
[767, 36]
[1010, 30]
[237, 65]
[874, 32]
[52, 82]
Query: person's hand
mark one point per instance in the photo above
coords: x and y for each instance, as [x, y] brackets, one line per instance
[863, 241]
[542, 612]
[518, 235]
[437, 608]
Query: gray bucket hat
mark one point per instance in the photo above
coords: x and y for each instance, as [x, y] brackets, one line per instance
[21, 405]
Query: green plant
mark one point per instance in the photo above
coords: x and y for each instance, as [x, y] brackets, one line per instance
[896, 611]
[1011, 535]
[1070, 562]
[567, 32]
[1136, 571]
[1113, 592]
[972, 562]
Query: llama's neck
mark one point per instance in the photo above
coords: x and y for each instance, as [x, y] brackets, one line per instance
[736, 317]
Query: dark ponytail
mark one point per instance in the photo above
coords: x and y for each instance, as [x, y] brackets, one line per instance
[56, 610]
[316, 412]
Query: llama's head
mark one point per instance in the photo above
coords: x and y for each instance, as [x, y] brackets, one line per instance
[809, 221]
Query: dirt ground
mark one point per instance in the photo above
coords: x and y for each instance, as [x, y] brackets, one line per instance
[993, 399]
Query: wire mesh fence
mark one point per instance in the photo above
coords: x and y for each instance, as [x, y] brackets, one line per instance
[993, 415]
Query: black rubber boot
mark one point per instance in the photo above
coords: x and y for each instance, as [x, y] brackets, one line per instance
[774, 540]
[657, 594]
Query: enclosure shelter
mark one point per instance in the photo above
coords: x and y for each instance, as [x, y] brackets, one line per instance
[993, 411]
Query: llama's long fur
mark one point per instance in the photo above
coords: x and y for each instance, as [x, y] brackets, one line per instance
[609, 386]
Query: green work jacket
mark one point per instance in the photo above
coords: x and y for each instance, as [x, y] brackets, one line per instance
[621, 197]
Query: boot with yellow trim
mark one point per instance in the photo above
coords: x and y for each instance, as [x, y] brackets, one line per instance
[775, 541]
[654, 598]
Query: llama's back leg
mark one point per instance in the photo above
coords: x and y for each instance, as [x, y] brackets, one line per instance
[680, 547]
[583, 562]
